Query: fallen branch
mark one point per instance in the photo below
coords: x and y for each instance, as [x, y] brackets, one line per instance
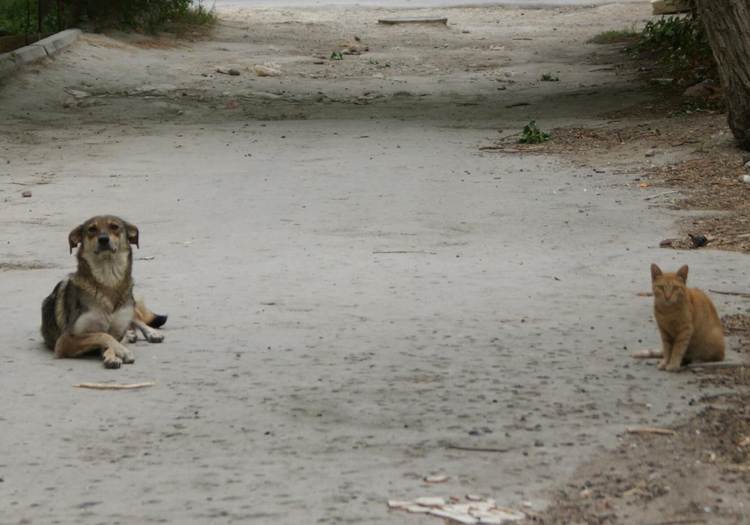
[647, 354]
[650, 430]
[660, 195]
[738, 294]
[113, 386]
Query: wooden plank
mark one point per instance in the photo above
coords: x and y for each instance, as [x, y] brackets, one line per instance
[413, 20]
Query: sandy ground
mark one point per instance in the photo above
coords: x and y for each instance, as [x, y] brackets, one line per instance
[354, 287]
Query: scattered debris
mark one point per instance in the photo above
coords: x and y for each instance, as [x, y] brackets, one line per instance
[77, 93]
[266, 71]
[413, 20]
[26, 194]
[549, 77]
[650, 430]
[468, 511]
[645, 294]
[113, 386]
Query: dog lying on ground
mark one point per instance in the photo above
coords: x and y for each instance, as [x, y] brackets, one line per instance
[93, 309]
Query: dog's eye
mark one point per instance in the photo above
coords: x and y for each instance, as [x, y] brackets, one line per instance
[114, 227]
[92, 230]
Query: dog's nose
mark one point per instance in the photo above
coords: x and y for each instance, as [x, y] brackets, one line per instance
[103, 240]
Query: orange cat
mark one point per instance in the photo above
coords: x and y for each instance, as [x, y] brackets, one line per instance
[688, 323]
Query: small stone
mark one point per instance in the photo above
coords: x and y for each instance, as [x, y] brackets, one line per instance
[746, 179]
[538, 443]
[26, 194]
[747, 165]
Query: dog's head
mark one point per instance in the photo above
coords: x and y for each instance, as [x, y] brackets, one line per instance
[103, 236]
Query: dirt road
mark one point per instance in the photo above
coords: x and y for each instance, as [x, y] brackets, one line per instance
[354, 287]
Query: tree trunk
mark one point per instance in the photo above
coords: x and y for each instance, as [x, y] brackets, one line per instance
[728, 27]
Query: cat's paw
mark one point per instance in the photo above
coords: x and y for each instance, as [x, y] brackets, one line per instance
[672, 368]
[662, 365]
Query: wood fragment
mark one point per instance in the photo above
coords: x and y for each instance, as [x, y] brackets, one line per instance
[113, 386]
[650, 430]
[477, 449]
[645, 294]
[647, 354]
[650, 197]
[413, 20]
[744, 467]
[717, 364]
[738, 294]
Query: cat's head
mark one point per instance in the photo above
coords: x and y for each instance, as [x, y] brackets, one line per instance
[669, 288]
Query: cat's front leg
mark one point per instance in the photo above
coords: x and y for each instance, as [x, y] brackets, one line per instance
[666, 351]
[680, 346]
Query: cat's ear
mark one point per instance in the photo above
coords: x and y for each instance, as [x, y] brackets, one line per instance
[682, 273]
[655, 272]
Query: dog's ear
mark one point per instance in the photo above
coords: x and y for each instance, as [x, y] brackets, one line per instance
[75, 237]
[132, 233]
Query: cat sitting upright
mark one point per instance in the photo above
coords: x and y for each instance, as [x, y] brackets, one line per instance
[688, 323]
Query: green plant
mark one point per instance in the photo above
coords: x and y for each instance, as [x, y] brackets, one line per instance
[531, 134]
[614, 36]
[549, 77]
[679, 44]
[19, 17]
[336, 55]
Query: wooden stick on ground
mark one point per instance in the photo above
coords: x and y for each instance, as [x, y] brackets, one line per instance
[650, 430]
[738, 294]
[113, 386]
[476, 449]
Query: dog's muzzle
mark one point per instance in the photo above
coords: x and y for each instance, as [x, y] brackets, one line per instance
[103, 244]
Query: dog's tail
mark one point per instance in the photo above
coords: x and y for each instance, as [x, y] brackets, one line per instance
[152, 319]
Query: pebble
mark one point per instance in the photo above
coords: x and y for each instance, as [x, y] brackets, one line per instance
[26, 194]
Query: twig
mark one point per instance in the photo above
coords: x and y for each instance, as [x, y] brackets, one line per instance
[660, 195]
[647, 354]
[645, 294]
[477, 449]
[677, 522]
[420, 252]
[650, 430]
[113, 386]
[714, 364]
[738, 294]
[501, 149]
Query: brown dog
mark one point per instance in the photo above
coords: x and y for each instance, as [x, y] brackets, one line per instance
[93, 308]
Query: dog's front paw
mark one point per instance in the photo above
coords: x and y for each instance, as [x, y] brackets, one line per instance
[131, 336]
[155, 336]
[662, 365]
[112, 361]
[672, 368]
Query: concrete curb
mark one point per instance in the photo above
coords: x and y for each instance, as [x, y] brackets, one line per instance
[44, 48]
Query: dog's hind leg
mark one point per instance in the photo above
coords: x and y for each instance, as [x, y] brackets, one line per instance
[113, 353]
[152, 335]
